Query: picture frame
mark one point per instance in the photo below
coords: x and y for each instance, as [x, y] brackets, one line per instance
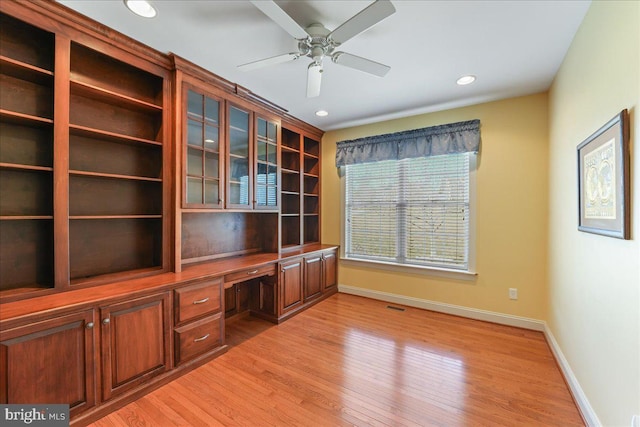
[603, 180]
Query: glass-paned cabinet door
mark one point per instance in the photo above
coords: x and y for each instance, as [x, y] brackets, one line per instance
[203, 152]
[266, 186]
[239, 166]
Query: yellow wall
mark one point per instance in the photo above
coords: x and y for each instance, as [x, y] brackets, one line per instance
[586, 287]
[594, 281]
[511, 216]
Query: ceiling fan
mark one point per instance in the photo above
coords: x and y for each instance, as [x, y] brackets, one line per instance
[316, 42]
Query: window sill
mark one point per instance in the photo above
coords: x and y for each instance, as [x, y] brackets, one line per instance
[412, 269]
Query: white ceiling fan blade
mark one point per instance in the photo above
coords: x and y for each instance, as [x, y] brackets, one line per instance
[280, 17]
[250, 66]
[359, 63]
[314, 79]
[365, 19]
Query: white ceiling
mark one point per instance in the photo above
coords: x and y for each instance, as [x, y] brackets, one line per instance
[513, 47]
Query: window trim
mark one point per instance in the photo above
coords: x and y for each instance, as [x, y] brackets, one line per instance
[468, 274]
[410, 268]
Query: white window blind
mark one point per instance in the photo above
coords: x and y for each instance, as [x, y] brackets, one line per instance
[412, 211]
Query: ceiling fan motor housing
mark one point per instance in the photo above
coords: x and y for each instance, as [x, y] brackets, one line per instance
[316, 46]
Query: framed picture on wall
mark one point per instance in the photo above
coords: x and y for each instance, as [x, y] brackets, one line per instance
[603, 180]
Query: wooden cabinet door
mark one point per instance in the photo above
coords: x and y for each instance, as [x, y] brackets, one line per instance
[267, 296]
[329, 270]
[50, 362]
[203, 150]
[135, 342]
[237, 298]
[266, 163]
[290, 283]
[239, 158]
[312, 276]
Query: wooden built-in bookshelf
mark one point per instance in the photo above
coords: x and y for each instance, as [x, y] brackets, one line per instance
[84, 189]
[139, 196]
[26, 157]
[95, 186]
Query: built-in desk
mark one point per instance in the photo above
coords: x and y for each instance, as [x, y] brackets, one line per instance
[101, 347]
[17, 312]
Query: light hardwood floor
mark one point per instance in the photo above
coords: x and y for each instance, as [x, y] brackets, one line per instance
[354, 361]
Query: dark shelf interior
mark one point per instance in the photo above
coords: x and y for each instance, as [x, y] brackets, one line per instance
[225, 233]
[120, 158]
[290, 139]
[26, 145]
[96, 69]
[311, 147]
[26, 97]
[27, 254]
[311, 229]
[26, 43]
[290, 204]
[116, 118]
[105, 246]
[98, 196]
[290, 231]
[26, 193]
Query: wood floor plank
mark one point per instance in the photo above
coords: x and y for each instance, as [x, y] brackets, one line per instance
[352, 361]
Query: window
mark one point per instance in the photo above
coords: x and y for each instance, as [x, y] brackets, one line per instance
[413, 211]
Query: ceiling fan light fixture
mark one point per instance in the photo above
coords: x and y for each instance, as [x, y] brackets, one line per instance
[314, 79]
[466, 80]
[322, 113]
[141, 8]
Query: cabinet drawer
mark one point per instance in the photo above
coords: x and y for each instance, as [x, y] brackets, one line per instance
[198, 337]
[197, 300]
[265, 270]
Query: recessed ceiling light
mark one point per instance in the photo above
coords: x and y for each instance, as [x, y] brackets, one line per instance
[322, 113]
[466, 80]
[141, 8]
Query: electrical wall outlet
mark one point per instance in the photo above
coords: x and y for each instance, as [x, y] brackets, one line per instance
[513, 293]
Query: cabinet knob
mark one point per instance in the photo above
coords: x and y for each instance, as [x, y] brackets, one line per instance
[89, 325]
[201, 301]
[106, 321]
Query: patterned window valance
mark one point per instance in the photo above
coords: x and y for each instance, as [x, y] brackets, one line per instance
[461, 137]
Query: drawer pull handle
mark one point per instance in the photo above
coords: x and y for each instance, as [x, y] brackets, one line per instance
[252, 272]
[201, 301]
[202, 338]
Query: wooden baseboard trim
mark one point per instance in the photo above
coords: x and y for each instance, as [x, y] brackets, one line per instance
[457, 310]
[585, 408]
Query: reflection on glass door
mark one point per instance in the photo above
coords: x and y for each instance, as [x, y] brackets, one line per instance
[203, 172]
[239, 156]
[266, 164]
